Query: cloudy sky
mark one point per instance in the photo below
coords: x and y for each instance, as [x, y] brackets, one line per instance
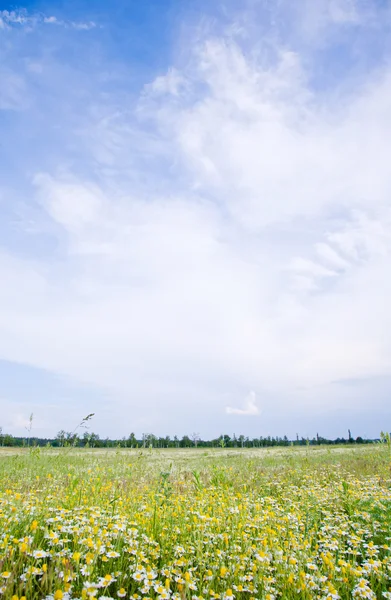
[195, 216]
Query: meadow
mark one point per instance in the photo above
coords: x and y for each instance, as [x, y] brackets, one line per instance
[222, 524]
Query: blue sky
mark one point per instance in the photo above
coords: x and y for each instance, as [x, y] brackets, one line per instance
[195, 219]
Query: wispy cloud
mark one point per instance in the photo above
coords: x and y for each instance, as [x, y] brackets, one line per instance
[22, 17]
[250, 407]
[12, 90]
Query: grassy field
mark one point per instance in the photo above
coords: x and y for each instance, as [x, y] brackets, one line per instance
[312, 522]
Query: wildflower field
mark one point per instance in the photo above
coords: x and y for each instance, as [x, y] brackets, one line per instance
[187, 524]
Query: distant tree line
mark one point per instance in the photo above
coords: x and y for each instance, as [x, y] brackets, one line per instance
[149, 440]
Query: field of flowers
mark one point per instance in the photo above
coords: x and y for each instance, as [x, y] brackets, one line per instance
[216, 524]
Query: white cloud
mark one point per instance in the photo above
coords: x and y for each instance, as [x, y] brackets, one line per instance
[171, 83]
[19, 17]
[12, 90]
[73, 206]
[250, 407]
[257, 139]
[24, 18]
[344, 11]
[81, 25]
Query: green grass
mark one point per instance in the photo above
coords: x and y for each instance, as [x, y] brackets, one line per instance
[310, 522]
